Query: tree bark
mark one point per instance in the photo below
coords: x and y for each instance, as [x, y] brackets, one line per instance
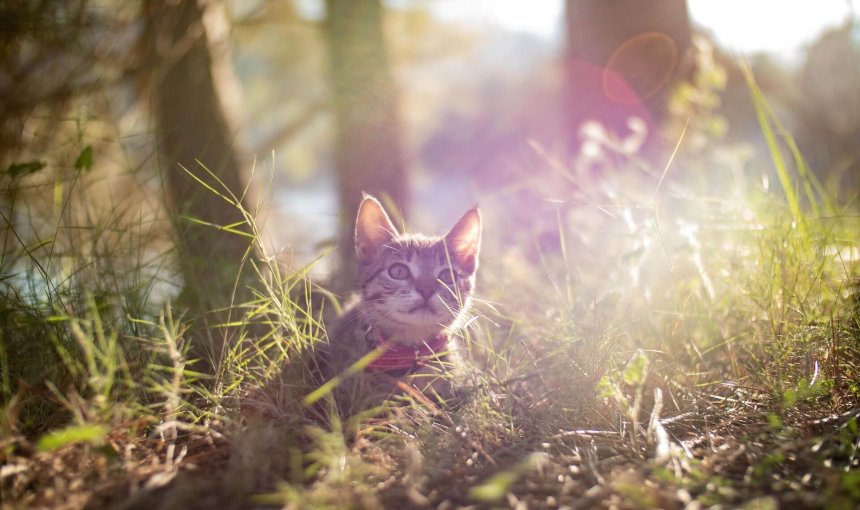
[368, 150]
[622, 57]
[191, 89]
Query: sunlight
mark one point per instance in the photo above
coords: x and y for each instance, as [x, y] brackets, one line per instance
[788, 25]
[736, 24]
[538, 18]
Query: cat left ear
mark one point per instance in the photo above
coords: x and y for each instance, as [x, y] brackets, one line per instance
[464, 240]
[373, 228]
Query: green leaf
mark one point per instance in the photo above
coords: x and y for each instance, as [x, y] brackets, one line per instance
[93, 434]
[21, 169]
[774, 421]
[634, 372]
[850, 481]
[495, 488]
[789, 398]
[761, 503]
[85, 159]
[499, 484]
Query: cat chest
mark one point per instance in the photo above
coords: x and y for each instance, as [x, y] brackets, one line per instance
[399, 360]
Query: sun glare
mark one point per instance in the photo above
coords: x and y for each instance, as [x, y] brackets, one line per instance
[542, 18]
[778, 26]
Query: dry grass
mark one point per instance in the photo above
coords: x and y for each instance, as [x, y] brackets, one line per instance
[651, 338]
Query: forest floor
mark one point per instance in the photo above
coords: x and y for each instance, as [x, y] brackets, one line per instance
[732, 453]
[735, 387]
[678, 342]
[682, 392]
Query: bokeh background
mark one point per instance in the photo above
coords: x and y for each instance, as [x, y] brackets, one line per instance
[667, 306]
[434, 105]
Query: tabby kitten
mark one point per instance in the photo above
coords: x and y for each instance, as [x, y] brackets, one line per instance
[415, 290]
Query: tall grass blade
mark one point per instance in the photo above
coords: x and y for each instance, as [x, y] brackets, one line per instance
[761, 111]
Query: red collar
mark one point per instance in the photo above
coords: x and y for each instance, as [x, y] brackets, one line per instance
[397, 358]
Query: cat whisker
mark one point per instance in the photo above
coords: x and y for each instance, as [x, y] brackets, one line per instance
[396, 269]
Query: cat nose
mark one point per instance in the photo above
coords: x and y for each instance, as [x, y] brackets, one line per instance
[426, 287]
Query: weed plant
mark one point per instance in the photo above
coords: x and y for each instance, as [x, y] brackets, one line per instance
[645, 338]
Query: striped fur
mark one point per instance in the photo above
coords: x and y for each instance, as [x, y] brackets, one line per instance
[397, 308]
[412, 286]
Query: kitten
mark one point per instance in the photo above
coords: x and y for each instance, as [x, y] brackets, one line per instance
[415, 292]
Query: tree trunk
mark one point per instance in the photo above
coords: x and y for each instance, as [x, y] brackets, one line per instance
[622, 57]
[368, 151]
[191, 90]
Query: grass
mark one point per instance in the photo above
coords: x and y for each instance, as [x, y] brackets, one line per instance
[642, 340]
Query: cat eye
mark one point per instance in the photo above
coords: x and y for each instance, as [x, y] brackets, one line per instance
[446, 276]
[399, 271]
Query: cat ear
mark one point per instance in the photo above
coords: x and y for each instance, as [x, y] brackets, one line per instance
[373, 228]
[464, 240]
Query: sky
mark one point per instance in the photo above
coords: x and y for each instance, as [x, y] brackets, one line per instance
[776, 26]
[782, 27]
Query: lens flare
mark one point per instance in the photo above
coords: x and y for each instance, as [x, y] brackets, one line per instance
[640, 68]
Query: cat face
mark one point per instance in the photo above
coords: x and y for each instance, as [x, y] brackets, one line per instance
[412, 280]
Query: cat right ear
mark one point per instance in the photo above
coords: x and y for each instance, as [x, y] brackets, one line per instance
[373, 228]
[464, 240]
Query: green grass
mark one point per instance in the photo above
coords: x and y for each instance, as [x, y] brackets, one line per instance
[646, 339]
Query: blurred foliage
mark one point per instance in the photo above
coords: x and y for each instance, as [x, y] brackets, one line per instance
[828, 105]
[717, 320]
